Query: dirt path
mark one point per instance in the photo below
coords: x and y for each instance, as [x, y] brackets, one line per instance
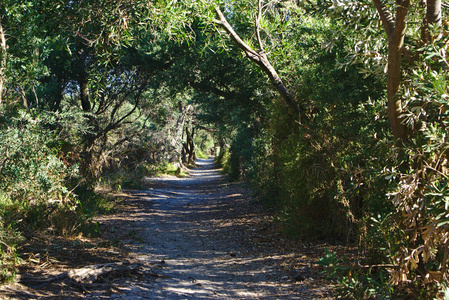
[202, 238]
[193, 231]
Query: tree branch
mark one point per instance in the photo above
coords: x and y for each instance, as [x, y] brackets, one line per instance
[262, 60]
[206, 128]
[257, 24]
[233, 35]
[385, 16]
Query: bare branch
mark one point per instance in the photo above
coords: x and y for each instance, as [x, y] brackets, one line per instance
[234, 36]
[262, 60]
[207, 128]
[257, 24]
[202, 86]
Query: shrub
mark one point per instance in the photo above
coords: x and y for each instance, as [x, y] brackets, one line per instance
[34, 181]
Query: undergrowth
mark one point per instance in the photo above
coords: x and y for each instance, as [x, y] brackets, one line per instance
[40, 185]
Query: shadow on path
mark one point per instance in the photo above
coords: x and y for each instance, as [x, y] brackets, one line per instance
[196, 232]
[198, 237]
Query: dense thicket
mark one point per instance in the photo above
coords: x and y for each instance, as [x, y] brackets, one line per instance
[335, 112]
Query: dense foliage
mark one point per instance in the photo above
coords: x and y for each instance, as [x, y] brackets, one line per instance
[334, 111]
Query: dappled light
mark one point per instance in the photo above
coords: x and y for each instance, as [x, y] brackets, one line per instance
[190, 229]
[238, 149]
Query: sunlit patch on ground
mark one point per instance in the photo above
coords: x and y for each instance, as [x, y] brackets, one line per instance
[195, 238]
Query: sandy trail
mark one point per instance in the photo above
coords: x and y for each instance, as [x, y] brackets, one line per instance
[189, 231]
[198, 237]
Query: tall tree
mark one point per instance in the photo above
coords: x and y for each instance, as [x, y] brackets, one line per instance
[395, 17]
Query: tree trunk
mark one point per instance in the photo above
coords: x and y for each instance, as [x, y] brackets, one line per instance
[189, 147]
[2, 61]
[433, 16]
[192, 157]
[178, 134]
[84, 93]
[395, 32]
[395, 45]
[58, 98]
[24, 98]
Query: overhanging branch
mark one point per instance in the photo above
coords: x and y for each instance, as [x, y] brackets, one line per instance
[259, 58]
